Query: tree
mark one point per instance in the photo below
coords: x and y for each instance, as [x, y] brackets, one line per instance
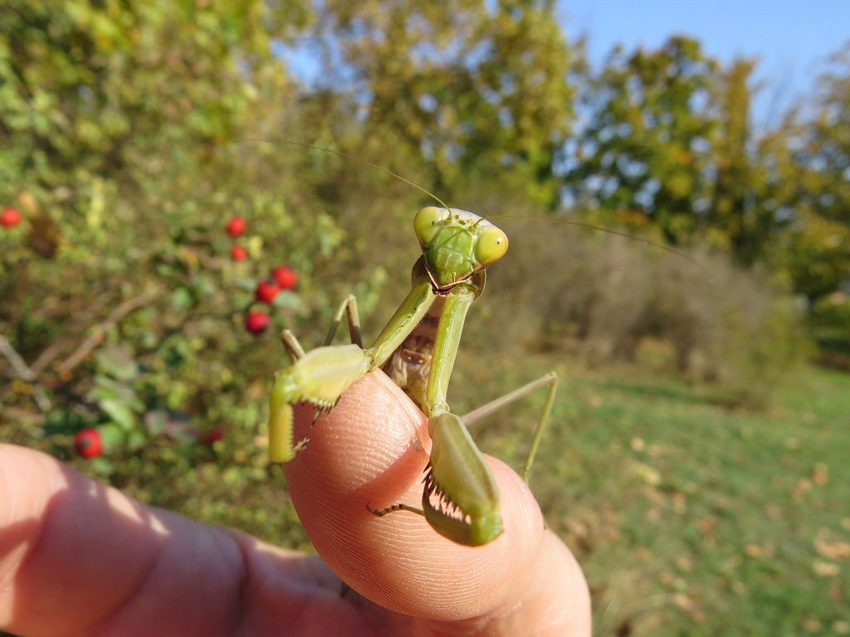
[752, 185]
[92, 88]
[819, 246]
[476, 90]
[644, 152]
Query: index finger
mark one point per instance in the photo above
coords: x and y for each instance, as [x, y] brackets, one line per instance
[371, 449]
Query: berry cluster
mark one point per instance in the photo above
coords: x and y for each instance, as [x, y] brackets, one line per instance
[282, 278]
[235, 228]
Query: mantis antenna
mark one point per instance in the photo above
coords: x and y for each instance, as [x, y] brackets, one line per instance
[412, 184]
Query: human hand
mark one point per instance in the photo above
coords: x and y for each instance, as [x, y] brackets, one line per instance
[80, 558]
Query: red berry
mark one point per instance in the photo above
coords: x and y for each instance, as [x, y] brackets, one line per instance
[266, 292]
[10, 217]
[238, 253]
[236, 226]
[88, 444]
[285, 277]
[257, 322]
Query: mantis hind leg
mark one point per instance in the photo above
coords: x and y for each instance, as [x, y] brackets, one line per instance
[550, 379]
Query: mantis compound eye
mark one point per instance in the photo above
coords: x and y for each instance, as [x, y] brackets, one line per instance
[491, 246]
[426, 224]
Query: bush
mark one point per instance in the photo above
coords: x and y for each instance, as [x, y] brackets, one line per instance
[607, 298]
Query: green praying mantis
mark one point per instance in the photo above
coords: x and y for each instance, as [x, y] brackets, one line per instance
[417, 349]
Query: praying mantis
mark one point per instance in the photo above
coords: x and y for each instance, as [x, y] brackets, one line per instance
[417, 349]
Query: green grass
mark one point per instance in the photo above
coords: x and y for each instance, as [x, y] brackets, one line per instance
[690, 519]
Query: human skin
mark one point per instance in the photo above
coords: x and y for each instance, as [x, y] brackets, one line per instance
[81, 558]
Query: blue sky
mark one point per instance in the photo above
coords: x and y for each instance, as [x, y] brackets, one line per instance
[791, 38]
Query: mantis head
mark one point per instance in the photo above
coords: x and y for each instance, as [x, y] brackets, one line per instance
[457, 244]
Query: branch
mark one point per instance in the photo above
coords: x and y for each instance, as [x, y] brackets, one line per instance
[99, 333]
[52, 351]
[20, 367]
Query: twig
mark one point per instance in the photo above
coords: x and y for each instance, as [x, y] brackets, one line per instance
[20, 367]
[99, 333]
[52, 351]
[46, 357]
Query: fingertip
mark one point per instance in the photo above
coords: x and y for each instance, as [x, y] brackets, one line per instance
[371, 449]
[367, 447]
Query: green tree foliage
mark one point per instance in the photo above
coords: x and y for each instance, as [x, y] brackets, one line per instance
[669, 146]
[476, 89]
[752, 188]
[90, 87]
[121, 115]
[819, 243]
[644, 154]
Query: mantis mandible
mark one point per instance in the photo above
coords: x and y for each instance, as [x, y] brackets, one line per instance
[417, 349]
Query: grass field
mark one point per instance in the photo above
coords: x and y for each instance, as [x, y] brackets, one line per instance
[690, 519]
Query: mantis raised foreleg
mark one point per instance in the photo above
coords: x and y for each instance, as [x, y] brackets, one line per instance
[417, 349]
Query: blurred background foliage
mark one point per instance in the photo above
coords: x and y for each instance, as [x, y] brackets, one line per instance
[132, 132]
